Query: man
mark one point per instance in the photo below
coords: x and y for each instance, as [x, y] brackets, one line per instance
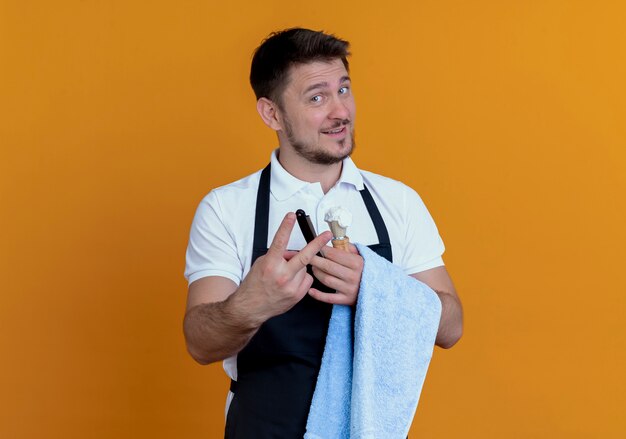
[251, 301]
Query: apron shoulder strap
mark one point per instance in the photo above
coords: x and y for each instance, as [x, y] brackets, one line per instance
[377, 219]
[261, 220]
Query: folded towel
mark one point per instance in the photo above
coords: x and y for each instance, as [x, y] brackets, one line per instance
[369, 383]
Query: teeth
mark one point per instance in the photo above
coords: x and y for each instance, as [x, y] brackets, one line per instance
[334, 131]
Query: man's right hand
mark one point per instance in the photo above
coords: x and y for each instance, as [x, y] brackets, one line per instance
[278, 280]
[221, 318]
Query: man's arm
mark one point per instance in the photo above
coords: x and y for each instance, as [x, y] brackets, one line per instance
[451, 323]
[215, 325]
[221, 318]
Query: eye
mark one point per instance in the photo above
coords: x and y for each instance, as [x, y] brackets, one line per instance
[316, 98]
[344, 90]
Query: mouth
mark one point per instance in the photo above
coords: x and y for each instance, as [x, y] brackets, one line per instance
[336, 132]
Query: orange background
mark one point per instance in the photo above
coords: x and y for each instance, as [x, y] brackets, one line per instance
[116, 117]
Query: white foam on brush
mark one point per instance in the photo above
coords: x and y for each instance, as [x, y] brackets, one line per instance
[342, 216]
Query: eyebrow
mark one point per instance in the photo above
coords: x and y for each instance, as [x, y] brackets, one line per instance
[324, 84]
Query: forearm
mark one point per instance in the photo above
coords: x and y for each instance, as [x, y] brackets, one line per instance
[451, 322]
[215, 331]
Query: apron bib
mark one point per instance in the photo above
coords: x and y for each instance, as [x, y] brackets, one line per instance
[278, 368]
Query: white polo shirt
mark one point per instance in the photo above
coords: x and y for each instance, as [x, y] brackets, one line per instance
[220, 242]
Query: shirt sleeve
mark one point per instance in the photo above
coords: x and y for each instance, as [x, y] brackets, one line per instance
[211, 251]
[424, 246]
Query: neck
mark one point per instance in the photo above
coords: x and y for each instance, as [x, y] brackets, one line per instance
[302, 169]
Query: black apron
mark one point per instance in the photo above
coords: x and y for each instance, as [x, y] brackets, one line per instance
[278, 368]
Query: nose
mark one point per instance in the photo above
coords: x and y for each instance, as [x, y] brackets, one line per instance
[339, 109]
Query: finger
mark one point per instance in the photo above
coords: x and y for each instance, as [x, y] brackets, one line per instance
[337, 284]
[288, 254]
[342, 257]
[330, 267]
[305, 284]
[304, 256]
[352, 249]
[279, 243]
[332, 298]
[300, 282]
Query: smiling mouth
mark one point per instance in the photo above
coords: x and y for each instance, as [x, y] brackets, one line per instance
[338, 130]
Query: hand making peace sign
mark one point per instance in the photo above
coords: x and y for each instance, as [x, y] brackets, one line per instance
[278, 280]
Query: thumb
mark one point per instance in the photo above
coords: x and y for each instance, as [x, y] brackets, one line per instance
[352, 249]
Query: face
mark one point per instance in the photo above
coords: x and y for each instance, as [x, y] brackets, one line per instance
[317, 112]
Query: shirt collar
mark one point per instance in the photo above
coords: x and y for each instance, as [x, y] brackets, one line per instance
[350, 174]
[284, 185]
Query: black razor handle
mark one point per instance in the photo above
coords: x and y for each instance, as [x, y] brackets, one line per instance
[304, 221]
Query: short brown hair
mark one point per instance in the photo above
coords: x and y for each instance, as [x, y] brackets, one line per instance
[281, 50]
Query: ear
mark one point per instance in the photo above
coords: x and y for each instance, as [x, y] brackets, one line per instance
[269, 112]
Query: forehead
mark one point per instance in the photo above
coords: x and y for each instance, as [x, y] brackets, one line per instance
[302, 76]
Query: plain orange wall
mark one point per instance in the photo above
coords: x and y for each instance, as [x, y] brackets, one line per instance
[116, 117]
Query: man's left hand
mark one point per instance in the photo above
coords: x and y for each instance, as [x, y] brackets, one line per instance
[340, 270]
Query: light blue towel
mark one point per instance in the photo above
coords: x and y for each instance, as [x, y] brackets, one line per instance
[369, 385]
